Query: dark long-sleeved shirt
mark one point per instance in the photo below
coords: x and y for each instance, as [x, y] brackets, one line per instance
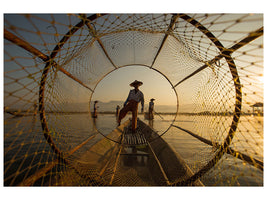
[136, 96]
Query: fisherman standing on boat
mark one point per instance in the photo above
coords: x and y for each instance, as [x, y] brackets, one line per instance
[151, 109]
[95, 109]
[117, 111]
[131, 104]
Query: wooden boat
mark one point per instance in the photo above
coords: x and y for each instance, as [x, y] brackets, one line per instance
[126, 159]
[19, 114]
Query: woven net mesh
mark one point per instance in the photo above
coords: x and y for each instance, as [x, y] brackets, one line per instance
[54, 62]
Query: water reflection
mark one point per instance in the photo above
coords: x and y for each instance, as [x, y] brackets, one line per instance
[151, 123]
[75, 128]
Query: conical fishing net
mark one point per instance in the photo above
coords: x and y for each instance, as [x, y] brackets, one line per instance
[213, 64]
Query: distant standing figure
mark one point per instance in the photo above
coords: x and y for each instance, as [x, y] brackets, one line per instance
[117, 110]
[131, 104]
[95, 109]
[151, 109]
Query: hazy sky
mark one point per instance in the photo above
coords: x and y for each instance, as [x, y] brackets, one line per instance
[115, 86]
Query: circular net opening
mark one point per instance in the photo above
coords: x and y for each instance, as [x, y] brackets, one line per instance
[113, 90]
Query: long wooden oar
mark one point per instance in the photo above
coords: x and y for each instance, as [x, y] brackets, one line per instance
[159, 115]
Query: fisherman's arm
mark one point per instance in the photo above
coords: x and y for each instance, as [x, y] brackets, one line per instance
[127, 99]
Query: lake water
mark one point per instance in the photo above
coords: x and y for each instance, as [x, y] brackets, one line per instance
[27, 151]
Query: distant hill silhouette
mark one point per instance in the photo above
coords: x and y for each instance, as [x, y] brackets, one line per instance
[84, 107]
[111, 107]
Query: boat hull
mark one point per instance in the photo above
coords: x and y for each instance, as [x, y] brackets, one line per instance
[114, 161]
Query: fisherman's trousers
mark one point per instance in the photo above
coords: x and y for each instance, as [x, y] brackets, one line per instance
[150, 113]
[133, 107]
[95, 113]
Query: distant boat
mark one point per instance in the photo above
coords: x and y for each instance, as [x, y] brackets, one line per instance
[18, 114]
